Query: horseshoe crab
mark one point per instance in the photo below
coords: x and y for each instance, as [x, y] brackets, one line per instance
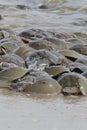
[82, 36]
[40, 59]
[82, 49]
[73, 65]
[79, 69]
[51, 44]
[73, 83]
[37, 82]
[82, 60]
[6, 33]
[11, 74]
[72, 55]
[12, 58]
[46, 86]
[85, 74]
[60, 44]
[35, 34]
[74, 41]
[24, 51]
[56, 70]
[8, 46]
[65, 36]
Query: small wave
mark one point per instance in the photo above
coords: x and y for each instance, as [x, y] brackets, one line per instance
[83, 8]
[33, 3]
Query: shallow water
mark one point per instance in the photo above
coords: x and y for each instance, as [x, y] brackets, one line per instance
[23, 112]
[61, 15]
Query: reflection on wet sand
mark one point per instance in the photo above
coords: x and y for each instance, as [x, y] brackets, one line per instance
[21, 112]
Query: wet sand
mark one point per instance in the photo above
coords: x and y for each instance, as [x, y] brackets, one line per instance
[21, 112]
